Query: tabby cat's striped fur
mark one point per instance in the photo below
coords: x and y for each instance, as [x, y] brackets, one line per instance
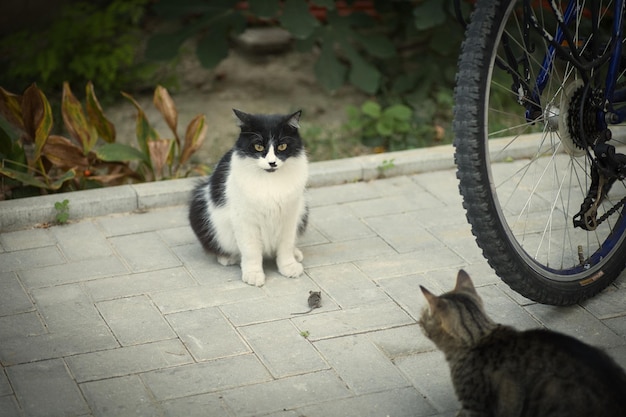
[501, 372]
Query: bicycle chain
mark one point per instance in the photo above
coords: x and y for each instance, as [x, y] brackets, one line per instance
[611, 211]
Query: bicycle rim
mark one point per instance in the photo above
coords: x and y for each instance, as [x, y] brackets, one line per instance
[543, 171]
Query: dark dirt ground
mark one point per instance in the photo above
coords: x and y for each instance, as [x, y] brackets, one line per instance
[270, 83]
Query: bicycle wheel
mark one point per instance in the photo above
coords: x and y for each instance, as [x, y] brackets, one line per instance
[522, 209]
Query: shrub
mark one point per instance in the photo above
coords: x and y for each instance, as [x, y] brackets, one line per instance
[34, 161]
[86, 43]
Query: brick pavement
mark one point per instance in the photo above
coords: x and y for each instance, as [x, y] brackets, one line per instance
[124, 314]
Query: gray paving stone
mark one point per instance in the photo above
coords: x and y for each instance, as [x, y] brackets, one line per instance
[458, 237]
[311, 237]
[140, 283]
[346, 251]
[128, 360]
[611, 304]
[9, 407]
[207, 334]
[24, 349]
[26, 239]
[393, 265]
[192, 298]
[65, 307]
[403, 232]
[124, 396]
[347, 286]
[30, 258]
[144, 252]
[177, 236]
[46, 388]
[202, 405]
[410, 200]
[295, 391]
[403, 402]
[351, 321]
[338, 224]
[401, 341]
[135, 320]
[503, 310]
[72, 272]
[268, 309]
[25, 324]
[439, 184]
[203, 266]
[298, 288]
[205, 377]
[80, 241]
[286, 352]
[405, 291]
[344, 193]
[429, 373]
[576, 322]
[360, 364]
[13, 298]
[170, 217]
[5, 387]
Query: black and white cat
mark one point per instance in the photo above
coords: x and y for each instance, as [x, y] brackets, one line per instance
[253, 205]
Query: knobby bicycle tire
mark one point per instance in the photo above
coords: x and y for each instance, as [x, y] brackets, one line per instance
[513, 252]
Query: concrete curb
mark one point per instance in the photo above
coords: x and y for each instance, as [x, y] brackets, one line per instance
[28, 212]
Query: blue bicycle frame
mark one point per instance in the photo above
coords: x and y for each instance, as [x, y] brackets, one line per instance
[618, 115]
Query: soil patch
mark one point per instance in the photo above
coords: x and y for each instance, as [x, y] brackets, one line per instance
[276, 83]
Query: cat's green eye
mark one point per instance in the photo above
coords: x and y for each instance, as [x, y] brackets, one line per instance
[282, 147]
[258, 148]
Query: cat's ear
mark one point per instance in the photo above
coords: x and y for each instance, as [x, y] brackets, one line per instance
[464, 283]
[430, 297]
[294, 119]
[242, 118]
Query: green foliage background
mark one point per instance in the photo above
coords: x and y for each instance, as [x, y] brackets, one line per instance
[89, 41]
[400, 52]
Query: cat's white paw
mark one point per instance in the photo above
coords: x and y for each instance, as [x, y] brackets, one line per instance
[253, 278]
[297, 253]
[291, 270]
[226, 260]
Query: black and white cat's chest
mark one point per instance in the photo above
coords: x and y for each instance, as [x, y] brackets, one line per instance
[273, 190]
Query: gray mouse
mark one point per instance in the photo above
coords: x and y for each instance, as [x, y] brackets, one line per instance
[314, 300]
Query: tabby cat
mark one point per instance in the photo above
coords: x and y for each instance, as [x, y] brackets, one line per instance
[253, 204]
[498, 371]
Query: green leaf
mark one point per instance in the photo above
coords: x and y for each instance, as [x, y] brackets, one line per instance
[119, 152]
[37, 116]
[297, 19]
[372, 109]
[76, 122]
[30, 179]
[144, 131]
[165, 46]
[330, 73]
[212, 49]
[377, 45]
[104, 127]
[384, 127]
[362, 74]
[328, 4]
[264, 8]
[398, 112]
[429, 14]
